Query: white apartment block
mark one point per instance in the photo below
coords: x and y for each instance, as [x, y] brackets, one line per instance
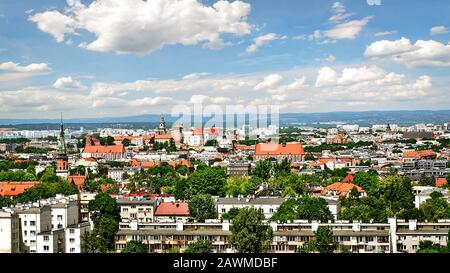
[64, 213]
[33, 221]
[74, 237]
[9, 232]
[137, 208]
[48, 226]
[392, 237]
[51, 241]
[117, 173]
[268, 205]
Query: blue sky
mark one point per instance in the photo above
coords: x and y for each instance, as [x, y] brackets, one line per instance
[114, 58]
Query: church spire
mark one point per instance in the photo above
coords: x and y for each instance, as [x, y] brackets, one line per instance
[62, 140]
[162, 126]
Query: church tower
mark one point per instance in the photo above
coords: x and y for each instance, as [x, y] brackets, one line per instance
[62, 161]
[162, 126]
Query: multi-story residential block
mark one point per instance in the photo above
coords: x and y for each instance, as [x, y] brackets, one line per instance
[64, 213]
[392, 237]
[52, 241]
[268, 205]
[9, 232]
[239, 168]
[117, 173]
[137, 208]
[172, 212]
[74, 236]
[34, 221]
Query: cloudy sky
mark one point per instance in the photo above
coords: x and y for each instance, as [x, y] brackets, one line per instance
[118, 58]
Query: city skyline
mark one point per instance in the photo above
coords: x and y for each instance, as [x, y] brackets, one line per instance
[91, 60]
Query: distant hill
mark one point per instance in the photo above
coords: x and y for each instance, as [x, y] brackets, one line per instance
[332, 118]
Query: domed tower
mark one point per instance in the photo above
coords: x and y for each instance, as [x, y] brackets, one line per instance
[62, 161]
[162, 126]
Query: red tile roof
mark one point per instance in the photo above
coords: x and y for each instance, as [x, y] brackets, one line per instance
[164, 136]
[151, 164]
[348, 178]
[441, 182]
[111, 149]
[172, 209]
[78, 180]
[279, 149]
[342, 188]
[13, 188]
[244, 147]
[418, 154]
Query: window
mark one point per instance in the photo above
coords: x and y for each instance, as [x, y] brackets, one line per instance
[46, 238]
[60, 226]
[125, 209]
[46, 248]
[133, 206]
[223, 210]
[25, 232]
[72, 250]
[59, 217]
[32, 233]
[32, 223]
[271, 210]
[25, 223]
[72, 240]
[72, 231]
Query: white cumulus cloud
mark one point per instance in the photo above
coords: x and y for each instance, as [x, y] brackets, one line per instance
[141, 27]
[68, 83]
[421, 54]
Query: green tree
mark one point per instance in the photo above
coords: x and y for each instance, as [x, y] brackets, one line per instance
[324, 241]
[208, 180]
[236, 186]
[305, 208]
[370, 183]
[435, 208]
[202, 207]
[200, 247]
[231, 214]
[211, 142]
[5, 201]
[105, 213]
[248, 232]
[426, 181]
[397, 194]
[126, 142]
[282, 168]
[289, 185]
[263, 169]
[135, 247]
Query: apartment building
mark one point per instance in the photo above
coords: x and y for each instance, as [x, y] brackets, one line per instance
[52, 241]
[239, 168]
[33, 221]
[9, 232]
[74, 236]
[268, 205]
[117, 173]
[64, 213]
[47, 226]
[392, 237]
[137, 208]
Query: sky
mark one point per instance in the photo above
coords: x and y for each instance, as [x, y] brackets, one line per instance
[109, 58]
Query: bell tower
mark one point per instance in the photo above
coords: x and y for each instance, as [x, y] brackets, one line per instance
[162, 126]
[62, 161]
